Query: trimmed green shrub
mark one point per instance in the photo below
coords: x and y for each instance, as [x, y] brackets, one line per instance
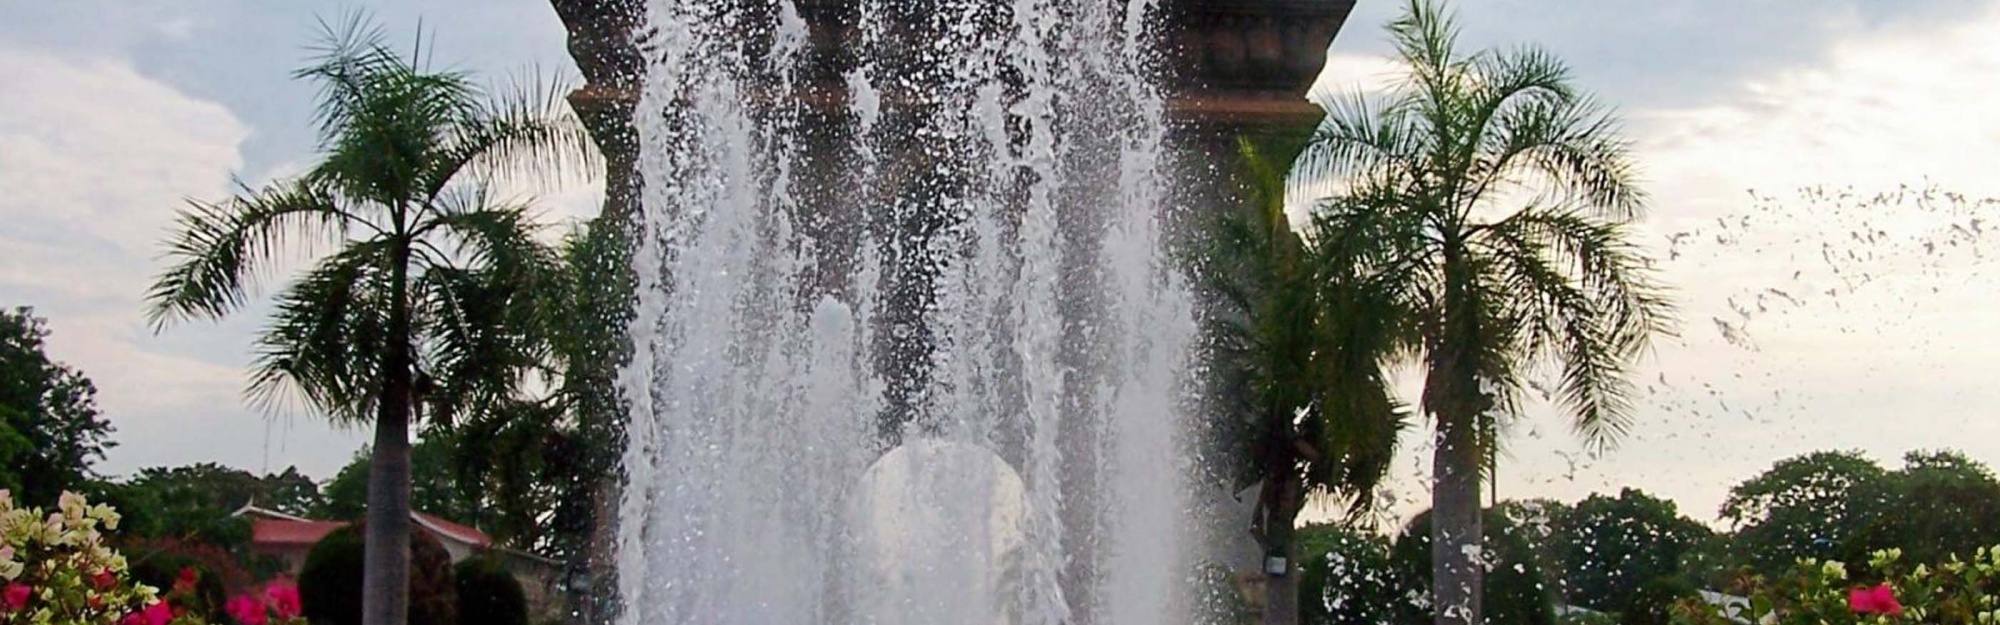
[488, 594]
[330, 583]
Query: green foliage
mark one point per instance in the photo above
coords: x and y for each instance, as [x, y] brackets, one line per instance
[1842, 505]
[1613, 548]
[1299, 345]
[1346, 578]
[1652, 603]
[330, 581]
[161, 567]
[1818, 592]
[196, 502]
[1803, 507]
[536, 465]
[434, 488]
[426, 304]
[1940, 504]
[488, 594]
[1539, 522]
[1492, 200]
[50, 429]
[1514, 588]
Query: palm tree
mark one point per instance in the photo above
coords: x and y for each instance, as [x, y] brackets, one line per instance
[1299, 343]
[535, 463]
[1492, 199]
[426, 293]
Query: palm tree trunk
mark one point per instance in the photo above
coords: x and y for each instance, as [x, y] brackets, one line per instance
[1456, 575]
[1283, 498]
[385, 587]
[1281, 592]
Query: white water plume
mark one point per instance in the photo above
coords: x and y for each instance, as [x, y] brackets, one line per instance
[905, 319]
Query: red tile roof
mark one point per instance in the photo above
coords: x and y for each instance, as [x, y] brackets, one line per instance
[274, 529]
[452, 530]
[277, 532]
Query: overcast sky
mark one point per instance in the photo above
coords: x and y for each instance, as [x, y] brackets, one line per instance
[1796, 335]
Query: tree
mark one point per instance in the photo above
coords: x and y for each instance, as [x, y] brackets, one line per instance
[1299, 348]
[1517, 591]
[1939, 505]
[538, 464]
[50, 429]
[197, 502]
[434, 488]
[1346, 577]
[1614, 548]
[428, 292]
[1804, 507]
[1491, 199]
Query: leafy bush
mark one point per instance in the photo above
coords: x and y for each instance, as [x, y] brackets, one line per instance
[1514, 589]
[168, 562]
[1821, 592]
[1653, 604]
[330, 582]
[488, 594]
[1345, 578]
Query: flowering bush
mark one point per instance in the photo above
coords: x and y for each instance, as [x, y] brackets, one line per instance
[57, 570]
[1814, 593]
[277, 603]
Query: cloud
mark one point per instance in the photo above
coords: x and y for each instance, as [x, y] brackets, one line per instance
[1669, 52]
[95, 158]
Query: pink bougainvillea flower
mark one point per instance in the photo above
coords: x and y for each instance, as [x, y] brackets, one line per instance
[283, 597]
[16, 596]
[157, 614]
[1877, 599]
[185, 583]
[247, 610]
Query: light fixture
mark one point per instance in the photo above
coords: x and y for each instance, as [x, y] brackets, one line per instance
[1276, 566]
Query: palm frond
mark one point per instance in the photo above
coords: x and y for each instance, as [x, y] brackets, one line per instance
[1426, 38]
[1570, 149]
[1589, 303]
[347, 52]
[527, 133]
[1359, 137]
[384, 122]
[481, 339]
[326, 337]
[218, 248]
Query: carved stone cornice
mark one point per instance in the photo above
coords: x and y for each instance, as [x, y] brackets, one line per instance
[1231, 62]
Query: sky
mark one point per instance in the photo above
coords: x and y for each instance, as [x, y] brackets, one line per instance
[1808, 321]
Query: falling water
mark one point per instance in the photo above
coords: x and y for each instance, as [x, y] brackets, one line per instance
[909, 345]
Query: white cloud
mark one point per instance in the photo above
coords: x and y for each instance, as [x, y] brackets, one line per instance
[95, 159]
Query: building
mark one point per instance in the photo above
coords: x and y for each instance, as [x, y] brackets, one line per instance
[288, 538]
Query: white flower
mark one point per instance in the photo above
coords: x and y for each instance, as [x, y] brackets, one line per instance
[1834, 569]
[72, 505]
[9, 569]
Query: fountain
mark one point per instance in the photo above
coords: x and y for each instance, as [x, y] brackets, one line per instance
[909, 345]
